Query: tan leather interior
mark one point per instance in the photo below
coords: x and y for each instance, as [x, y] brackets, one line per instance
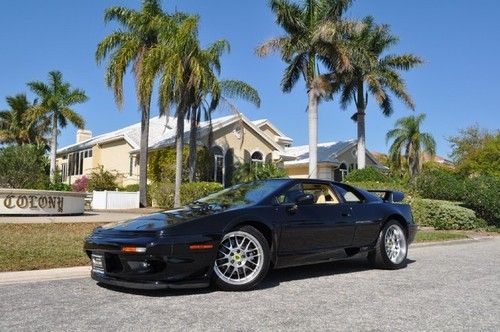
[322, 193]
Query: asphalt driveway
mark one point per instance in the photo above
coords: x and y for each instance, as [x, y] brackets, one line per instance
[445, 287]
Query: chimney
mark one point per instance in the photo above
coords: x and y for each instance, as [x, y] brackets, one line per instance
[83, 135]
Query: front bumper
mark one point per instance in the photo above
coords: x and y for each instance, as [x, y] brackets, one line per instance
[149, 285]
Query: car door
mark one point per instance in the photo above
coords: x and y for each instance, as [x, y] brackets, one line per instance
[313, 232]
[367, 216]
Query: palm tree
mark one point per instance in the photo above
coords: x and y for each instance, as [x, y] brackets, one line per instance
[221, 92]
[183, 69]
[313, 35]
[407, 136]
[57, 98]
[19, 127]
[129, 46]
[375, 73]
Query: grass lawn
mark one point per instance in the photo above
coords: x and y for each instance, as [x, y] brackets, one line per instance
[432, 236]
[42, 246]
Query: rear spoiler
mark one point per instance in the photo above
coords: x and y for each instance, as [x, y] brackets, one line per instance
[390, 196]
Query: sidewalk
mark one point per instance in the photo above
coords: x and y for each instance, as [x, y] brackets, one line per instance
[88, 216]
[19, 277]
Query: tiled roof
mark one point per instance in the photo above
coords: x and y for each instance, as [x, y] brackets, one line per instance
[161, 133]
[327, 152]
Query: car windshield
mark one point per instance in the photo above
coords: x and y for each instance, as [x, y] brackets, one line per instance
[242, 194]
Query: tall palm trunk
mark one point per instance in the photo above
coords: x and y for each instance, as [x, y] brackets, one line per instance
[143, 156]
[414, 160]
[312, 109]
[360, 121]
[193, 134]
[53, 148]
[179, 144]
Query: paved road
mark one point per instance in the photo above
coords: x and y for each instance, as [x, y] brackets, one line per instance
[445, 287]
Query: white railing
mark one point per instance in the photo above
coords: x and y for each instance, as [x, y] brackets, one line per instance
[115, 200]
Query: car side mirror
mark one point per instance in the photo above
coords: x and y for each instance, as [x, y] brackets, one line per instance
[305, 199]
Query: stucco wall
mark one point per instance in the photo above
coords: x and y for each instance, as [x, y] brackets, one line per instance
[248, 140]
[302, 172]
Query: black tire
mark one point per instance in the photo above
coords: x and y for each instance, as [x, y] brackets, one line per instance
[379, 257]
[247, 259]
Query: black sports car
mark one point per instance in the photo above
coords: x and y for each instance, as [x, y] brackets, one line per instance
[233, 236]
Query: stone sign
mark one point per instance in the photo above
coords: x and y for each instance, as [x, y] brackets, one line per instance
[34, 202]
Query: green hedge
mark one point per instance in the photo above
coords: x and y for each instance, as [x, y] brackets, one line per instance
[369, 174]
[482, 194]
[444, 215]
[479, 193]
[439, 184]
[163, 193]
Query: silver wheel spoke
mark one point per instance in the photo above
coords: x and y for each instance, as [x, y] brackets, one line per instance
[395, 244]
[238, 259]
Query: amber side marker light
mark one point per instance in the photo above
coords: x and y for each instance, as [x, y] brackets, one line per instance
[130, 249]
[201, 246]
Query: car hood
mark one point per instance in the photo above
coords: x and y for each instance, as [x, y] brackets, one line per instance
[162, 220]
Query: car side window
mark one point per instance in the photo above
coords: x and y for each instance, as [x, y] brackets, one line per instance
[348, 195]
[291, 195]
[323, 194]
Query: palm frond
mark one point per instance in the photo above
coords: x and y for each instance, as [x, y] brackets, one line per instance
[241, 90]
[272, 45]
[401, 62]
[293, 71]
[69, 115]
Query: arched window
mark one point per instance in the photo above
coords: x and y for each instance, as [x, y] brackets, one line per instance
[218, 154]
[257, 157]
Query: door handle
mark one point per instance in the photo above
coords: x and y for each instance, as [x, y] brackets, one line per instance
[346, 213]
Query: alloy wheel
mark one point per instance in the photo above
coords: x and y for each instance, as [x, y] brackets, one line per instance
[395, 244]
[239, 258]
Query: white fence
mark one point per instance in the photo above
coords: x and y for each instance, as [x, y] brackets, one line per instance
[109, 200]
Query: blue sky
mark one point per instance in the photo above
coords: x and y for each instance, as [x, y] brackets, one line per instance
[457, 87]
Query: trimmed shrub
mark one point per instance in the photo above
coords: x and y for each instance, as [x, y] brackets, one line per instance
[482, 194]
[102, 179]
[444, 215]
[439, 184]
[163, 193]
[368, 174]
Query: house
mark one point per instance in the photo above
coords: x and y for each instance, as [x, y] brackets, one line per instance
[335, 160]
[235, 139]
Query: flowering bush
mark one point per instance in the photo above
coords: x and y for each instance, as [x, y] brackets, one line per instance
[81, 184]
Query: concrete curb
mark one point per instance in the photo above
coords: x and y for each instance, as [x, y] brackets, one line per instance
[451, 242]
[19, 277]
